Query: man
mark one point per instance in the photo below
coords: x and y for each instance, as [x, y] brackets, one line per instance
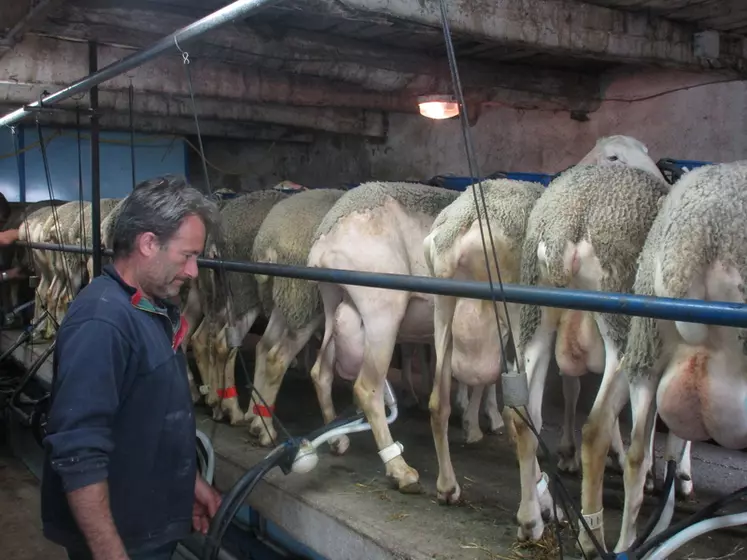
[120, 476]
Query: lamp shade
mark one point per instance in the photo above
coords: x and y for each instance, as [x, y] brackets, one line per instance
[438, 106]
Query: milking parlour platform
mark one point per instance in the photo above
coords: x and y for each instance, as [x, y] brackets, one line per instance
[345, 508]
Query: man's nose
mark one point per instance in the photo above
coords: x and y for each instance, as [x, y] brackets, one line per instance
[191, 268]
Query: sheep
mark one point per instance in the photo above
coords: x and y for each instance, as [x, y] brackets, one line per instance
[31, 229]
[376, 227]
[586, 231]
[292, 305]
[80, 236]
[466, 329]
[22, 256]
[693, 373]
[54, 230]
[214, 345]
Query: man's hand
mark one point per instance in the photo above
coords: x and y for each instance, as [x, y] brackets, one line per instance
[14, 273]
[207, 502]
[8, 237]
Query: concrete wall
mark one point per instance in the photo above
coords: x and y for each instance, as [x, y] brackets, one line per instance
[704, 123]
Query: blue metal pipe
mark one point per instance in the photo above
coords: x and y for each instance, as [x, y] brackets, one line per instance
[689, 310]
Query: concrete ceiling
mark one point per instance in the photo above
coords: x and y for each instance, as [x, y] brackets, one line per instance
[728, 16]
[345, 66]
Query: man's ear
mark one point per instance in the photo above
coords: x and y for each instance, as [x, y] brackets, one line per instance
[148, 244]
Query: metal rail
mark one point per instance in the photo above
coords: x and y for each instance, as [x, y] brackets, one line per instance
[240, 8]
[673, 309]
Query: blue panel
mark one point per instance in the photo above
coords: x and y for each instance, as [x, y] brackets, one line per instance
[10, 185]
[154, 155]
[541, 178]
[690, 164]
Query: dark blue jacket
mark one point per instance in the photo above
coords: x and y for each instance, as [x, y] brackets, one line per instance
[121, 411]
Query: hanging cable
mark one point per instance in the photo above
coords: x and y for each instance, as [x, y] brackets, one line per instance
[131, 95]
[474, 173]
[50, 188]
[44, 313]
[222, 272]
[83, 256]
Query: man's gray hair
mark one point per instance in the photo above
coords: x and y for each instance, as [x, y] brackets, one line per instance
[159, 206]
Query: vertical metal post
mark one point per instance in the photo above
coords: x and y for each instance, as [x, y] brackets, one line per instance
[95, 164]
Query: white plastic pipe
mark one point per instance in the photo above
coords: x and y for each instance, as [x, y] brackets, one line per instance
[209, 473]
[668, 547]
[359, 425]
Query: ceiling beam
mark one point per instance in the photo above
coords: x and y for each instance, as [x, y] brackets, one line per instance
[371, 66]
[556, 26]
[119, 121]
[177, 110]
[58, 63]
[21, 15]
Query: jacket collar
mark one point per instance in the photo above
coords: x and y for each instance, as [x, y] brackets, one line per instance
[159, 307]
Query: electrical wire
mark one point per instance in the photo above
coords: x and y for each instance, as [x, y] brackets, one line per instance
[475, 175]
[221, 273]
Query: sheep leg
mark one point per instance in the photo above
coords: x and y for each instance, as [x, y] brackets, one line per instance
[471, 418]
[193, 314]
[227, 353]
[447, 486]
[378, 319]
[616, 455]
[201, 351]
[278, 360]
[683, 477]
[569, 459]
[490, 409]
[428, 371]
[262, 401]
[651, 474]
[267, 383]
[408, 398]
[462, 398]
[639, 456]
[51, 301]
[596, 439]
[536, 501]
[39, 308]
[322, 373]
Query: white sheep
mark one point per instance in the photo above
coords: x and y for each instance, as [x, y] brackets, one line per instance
[292, 305]
[694, 374]
[466, 333]
[56, 231]
[31, 229]
[76, 263]
[585, 232]
[376, 227]
[214, 345]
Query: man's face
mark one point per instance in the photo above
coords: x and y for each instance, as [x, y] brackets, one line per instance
[168, 266]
